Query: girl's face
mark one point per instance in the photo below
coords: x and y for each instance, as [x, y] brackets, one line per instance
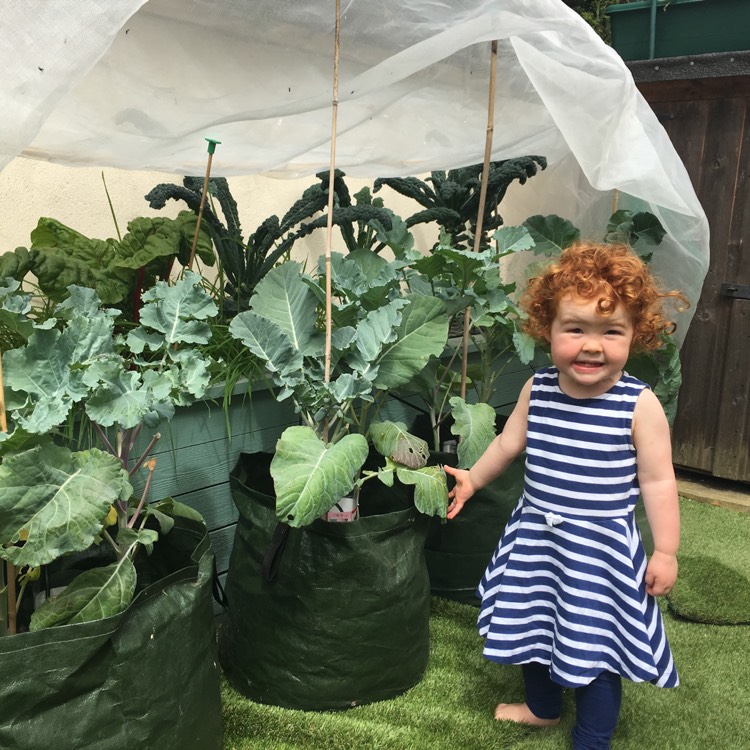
[589, 349]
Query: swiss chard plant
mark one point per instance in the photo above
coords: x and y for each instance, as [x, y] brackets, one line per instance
[381, 338]
[119, 270]
[81, 398]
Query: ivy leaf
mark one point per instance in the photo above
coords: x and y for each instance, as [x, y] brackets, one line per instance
[93, 595]
[474, 424]
[59, 498]
[311, 477]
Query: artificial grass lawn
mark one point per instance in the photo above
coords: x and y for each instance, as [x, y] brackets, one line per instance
[451, 708]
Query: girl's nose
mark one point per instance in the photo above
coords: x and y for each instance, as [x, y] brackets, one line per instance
[592, 344]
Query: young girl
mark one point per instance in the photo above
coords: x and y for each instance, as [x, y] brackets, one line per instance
[569, 594]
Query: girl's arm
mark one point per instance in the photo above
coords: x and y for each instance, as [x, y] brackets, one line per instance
[659, 490]
[495, 460]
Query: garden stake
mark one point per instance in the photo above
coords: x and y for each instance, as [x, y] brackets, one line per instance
[482, 201]
[331, 177]
[212, 143]
[9, 567]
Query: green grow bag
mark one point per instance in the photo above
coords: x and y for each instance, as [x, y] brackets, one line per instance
[344, 619]
[458, 551]
[146, 678]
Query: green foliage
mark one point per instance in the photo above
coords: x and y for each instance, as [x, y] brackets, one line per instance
[245, 262]
[381, 339]
[118, 271]
[463, 279]
[74, 367]
[594, 12]
[475, 426]
[451, 199]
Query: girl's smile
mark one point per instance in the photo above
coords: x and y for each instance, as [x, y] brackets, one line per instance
[588, 348]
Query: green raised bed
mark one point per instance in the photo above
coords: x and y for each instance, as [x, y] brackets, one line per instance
[679, 27]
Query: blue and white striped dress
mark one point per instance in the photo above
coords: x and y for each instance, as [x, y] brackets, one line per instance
[565, 586]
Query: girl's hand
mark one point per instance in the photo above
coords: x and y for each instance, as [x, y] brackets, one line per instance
[661, 573]
[461, 492]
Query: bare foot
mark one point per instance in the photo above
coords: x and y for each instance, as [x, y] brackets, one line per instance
[521, 714]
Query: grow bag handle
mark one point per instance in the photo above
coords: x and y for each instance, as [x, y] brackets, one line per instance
[272, 560]
[220, 595]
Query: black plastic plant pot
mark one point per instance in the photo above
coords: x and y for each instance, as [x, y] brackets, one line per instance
[146, 678]
[329, 616]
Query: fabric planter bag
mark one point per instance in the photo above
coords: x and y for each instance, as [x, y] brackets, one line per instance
[458, 551]
[146, 678]
[329, 616]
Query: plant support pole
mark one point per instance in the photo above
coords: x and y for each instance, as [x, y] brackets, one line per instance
[9, 567]
[212, 143]
[331, 178]
[482, 202]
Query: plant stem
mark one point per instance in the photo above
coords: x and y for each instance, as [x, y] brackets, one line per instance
[103, 437]
[145, 454]
[111, 543]
[151, 466]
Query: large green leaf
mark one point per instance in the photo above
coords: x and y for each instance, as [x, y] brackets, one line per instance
[378, 329]
[119, 397]
[178, 311]
[14, 308]
[311, 477]
[430, 488]
[49, 370]
[474, 424]
[93, 595]
[393, 440]
[422, 334]
[149, 238]
[265, 339]
[551, 234]
[284, 298]
[59, 498]
[512, 240]
[61, 256]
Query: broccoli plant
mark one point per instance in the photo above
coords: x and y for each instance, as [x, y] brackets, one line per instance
[56, 498]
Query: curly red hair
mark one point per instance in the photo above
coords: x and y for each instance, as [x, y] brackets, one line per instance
[615, 275]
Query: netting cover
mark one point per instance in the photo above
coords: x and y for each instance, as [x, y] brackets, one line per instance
[138, 85]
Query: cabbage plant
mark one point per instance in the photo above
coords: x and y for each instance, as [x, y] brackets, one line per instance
[78, 368]
[381, 338]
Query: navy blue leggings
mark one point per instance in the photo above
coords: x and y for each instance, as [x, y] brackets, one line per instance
[597, 704]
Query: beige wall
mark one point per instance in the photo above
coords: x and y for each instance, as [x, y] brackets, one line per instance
[75, 196]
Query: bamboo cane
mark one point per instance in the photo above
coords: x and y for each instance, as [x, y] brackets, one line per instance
[10, 568]
[212, 143]
[331, 178]
[482, 201]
